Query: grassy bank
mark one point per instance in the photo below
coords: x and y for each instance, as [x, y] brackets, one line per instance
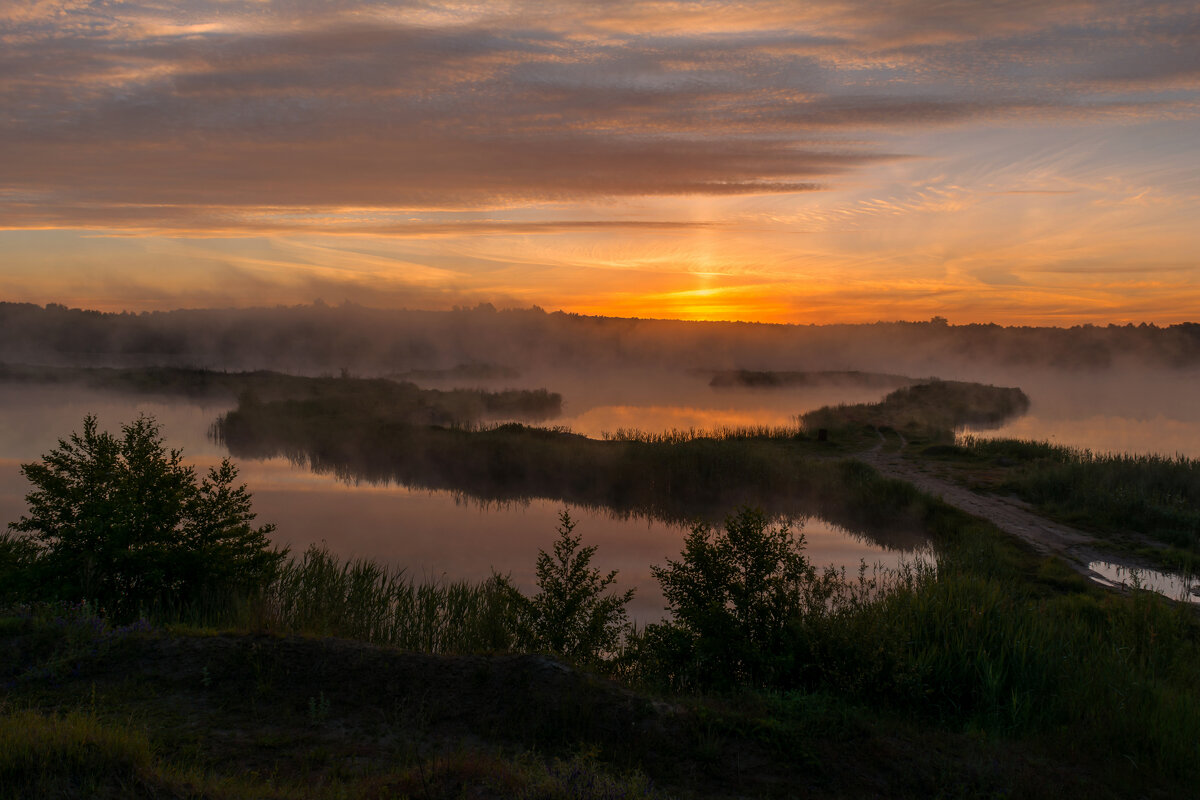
[1124, 497]
[932, 409]
[1009, 667]
[992, 673]
[381, 400]
[675, 478]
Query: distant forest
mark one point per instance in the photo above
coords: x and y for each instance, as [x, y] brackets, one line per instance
[321, 338]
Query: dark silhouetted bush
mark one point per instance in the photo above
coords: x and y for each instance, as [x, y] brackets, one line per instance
[571, 615]
[123, 522]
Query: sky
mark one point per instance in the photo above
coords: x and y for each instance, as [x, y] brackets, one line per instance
[1018, 161]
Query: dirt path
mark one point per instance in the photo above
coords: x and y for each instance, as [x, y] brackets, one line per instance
[1012, 516]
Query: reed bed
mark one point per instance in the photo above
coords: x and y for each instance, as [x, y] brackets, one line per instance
[720, 433]
[1155, 495]
[320, 594]
[968, 644]
[987, 639]
[934, 408]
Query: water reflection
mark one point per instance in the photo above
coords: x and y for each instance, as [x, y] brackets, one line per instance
[436, 532]
[1121, 411]
[439, 533]
[431, 533]
[1177, 587]
[706, 408]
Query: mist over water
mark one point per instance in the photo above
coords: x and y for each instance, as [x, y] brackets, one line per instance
[612, 375]
[602, 401]
[432, 534]
[1134, 411]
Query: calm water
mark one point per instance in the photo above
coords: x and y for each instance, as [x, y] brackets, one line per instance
[438, 534]
[1177, 587]
[1122, 412]
[432, 534]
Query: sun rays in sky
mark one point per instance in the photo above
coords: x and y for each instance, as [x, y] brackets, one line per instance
[1018, 162]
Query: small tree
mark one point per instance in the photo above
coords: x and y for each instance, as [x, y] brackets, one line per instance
[571, 615]
[733, 595]
[123, 522]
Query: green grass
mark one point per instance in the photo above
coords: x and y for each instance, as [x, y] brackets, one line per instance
[990, 645]
[1149, 495]
[78, 755]
[319, 594]
[995, 666]
[935, 408]
[991, 641]
[72, 755]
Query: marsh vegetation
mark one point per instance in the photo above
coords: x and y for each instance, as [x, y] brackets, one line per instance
[983, 670]
[672, 477]
[1015, 667]
[932, 408]
[1118, 495]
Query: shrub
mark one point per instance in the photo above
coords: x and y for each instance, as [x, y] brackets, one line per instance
[18, 557]
[733, 595]
[571, 615]
[123, 522]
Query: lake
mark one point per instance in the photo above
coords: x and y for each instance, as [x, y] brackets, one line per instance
[437, 533]
[1135, 411]
[433, 534]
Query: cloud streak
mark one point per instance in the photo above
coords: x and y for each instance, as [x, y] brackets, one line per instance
[211, 110]
[1014, 159]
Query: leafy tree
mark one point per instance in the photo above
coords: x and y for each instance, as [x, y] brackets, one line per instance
[123, 522]
[18, 557]
[733, 595]
[571, 615]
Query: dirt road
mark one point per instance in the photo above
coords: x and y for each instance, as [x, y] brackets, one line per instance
[1078, 548]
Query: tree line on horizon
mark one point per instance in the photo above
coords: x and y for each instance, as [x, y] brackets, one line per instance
[321, 337]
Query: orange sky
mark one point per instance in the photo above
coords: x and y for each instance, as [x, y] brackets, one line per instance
[1015, 162]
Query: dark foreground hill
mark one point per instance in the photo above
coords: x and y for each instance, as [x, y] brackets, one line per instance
[154, 715]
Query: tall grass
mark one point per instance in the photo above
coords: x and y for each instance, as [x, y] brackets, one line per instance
[996, 652]
[720, 433]
[676, 476]
[1158, 496]
[977, 642]
[319, 594]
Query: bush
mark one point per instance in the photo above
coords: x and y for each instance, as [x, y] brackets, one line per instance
[733, 595]
[18, 556]
[571, 615]
[124, 523]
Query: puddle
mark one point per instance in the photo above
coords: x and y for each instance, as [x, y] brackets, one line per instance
[1174, 586]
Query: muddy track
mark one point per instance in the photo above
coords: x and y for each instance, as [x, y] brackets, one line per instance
[1015, 517]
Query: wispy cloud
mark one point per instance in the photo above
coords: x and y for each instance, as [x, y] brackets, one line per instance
[702, 158]
[210, 110]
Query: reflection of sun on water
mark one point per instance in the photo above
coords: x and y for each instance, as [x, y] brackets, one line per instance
[595, 422]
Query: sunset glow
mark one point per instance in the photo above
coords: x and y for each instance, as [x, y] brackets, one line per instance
[1015, 162]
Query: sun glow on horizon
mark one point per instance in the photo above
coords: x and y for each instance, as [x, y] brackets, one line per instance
[768, 162]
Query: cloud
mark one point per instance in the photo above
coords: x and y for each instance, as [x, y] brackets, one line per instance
[199, 115]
